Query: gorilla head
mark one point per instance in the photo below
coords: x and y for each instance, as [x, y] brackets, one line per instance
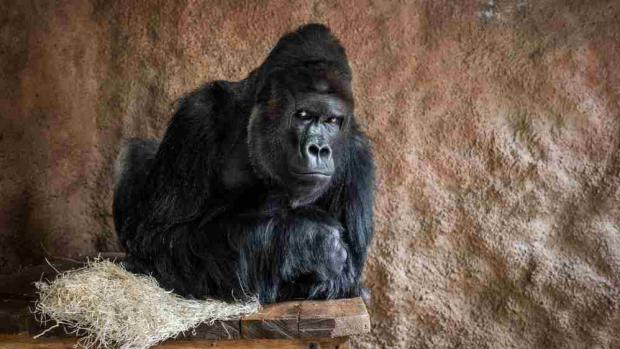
[301, 115]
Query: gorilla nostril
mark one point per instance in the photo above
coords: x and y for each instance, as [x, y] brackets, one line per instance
[314, 150]
[325, 152]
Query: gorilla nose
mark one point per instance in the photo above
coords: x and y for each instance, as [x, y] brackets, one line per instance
[318, 151]
[318, 155]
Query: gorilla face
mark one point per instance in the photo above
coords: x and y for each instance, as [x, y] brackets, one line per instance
[314, 131]
[296, 140]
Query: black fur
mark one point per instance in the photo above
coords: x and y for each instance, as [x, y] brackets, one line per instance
[206, 211]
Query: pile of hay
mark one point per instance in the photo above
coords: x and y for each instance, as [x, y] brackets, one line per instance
[111, 307]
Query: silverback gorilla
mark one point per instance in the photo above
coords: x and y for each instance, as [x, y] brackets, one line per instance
[261, 186]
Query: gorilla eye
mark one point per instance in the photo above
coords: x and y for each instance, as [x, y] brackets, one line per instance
[302, 114]
[333, 120]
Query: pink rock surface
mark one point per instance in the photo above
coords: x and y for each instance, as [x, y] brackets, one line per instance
[496, 128]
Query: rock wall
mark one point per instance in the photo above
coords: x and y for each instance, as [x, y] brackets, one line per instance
[496, 128]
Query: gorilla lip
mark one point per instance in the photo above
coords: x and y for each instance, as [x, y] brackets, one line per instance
[312, 174]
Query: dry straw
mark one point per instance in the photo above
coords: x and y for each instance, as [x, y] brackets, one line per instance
[111, 307]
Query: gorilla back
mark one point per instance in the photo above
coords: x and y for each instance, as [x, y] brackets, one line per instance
[260, 186]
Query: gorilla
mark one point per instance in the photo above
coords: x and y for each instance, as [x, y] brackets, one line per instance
[262, 186]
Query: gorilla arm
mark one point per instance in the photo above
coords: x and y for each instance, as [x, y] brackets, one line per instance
[276, 251]
[236, 254]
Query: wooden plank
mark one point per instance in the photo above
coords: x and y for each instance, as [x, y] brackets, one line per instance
[335, 343]
[273, 321]
[297, 319]
[230, 329]
[21, 342]
[334, 318]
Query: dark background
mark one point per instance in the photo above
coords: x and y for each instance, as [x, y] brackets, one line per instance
[496, 128]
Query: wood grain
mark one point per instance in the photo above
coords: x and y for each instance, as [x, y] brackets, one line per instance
[274, 321]
[334, 318]
[22, 342]
[230, 329]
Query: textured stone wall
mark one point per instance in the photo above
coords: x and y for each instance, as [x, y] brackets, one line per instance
[496, 128]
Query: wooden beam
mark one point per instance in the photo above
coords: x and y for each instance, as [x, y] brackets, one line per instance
[22, 342]
[296, 319]
[333, 318]
[335, 343]
[218, 330]
[273, 321]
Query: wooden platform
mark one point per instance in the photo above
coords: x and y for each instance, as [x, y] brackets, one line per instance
[294, 324]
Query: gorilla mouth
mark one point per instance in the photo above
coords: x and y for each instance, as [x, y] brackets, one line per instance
[312, 174]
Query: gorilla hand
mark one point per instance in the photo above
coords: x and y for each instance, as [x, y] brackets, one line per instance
[314, 247]
[329, 252]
